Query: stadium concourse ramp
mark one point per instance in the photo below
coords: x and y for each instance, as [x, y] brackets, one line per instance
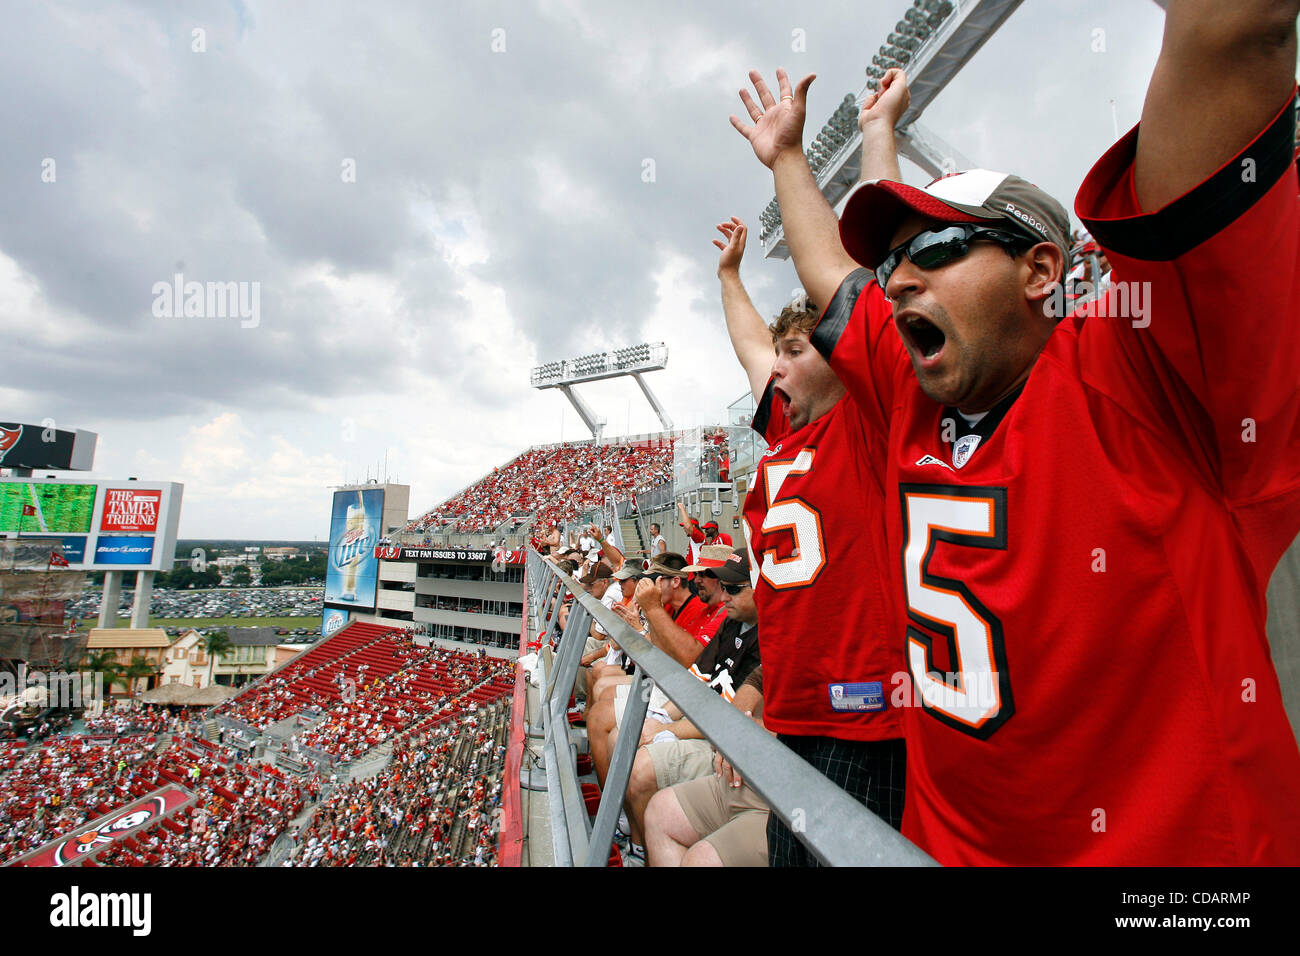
[552, 818]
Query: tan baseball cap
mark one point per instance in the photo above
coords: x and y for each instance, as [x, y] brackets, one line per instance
[875, 210]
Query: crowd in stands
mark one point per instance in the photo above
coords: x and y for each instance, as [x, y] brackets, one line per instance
[238, 810]
[69, 780]
[367, 683]
[558, 484]
[433, 805]
[444, 712]
[61, 784]
[146, 720]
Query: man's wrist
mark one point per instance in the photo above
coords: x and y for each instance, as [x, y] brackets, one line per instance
[877, 123]
[790, 154]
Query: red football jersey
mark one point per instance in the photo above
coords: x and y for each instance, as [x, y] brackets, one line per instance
[816, 532]
[699, 620]
[1084, 588]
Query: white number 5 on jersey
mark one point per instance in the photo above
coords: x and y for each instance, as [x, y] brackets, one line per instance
[975, 696]
[808, 557]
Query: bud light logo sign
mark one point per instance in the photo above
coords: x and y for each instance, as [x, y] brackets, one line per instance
[352, 576]
[123, 549]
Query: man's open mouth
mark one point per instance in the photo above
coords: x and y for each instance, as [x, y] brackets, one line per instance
[924, 336]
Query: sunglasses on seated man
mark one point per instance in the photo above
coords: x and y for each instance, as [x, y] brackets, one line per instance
[938, 247]
[733, 588]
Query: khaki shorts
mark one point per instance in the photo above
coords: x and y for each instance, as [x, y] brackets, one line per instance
[676, 761]
[733, 820]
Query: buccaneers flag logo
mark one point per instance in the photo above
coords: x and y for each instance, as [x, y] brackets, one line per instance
[8, 438]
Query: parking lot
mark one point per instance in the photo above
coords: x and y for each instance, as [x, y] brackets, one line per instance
[228, 605]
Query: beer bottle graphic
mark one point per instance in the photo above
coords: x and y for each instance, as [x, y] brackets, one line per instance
[350, 548]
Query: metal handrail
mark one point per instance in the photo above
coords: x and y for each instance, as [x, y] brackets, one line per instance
[834, 827]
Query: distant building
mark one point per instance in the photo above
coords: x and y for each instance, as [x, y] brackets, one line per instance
[128, 643]
[255, 651]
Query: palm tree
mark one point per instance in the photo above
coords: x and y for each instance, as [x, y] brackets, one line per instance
[218, 642]
[105, 663]
[133, 672]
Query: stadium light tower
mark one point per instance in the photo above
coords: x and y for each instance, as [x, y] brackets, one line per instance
[932, 42]
[635, 360]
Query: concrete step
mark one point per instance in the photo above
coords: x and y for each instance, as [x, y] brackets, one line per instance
[631, 536]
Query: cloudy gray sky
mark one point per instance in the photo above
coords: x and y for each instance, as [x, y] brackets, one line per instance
[498, 216]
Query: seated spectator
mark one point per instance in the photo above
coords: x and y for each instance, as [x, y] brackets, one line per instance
[677, 751]
[677, 622]
[716, 819]
[613, 661]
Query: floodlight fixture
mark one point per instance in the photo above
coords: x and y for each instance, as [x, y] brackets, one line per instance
[632, 360]
[933, 40]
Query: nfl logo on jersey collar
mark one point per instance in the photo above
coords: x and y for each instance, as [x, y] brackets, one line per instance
[963, 448]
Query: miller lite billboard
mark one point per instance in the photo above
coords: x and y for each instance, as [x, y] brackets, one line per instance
[333, 620]
[351, 571]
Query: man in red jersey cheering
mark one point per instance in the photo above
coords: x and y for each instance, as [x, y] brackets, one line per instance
[1084, 514]
[814, 522]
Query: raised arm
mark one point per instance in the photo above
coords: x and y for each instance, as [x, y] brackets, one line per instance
[664, 633]
[607, 547]
[749, 334]
[811, 227]
[881, 112]
[1223, 72]
[689, 524]
[1196, 210]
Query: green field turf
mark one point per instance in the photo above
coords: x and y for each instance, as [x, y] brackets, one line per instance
[61, 508]
[311, 623]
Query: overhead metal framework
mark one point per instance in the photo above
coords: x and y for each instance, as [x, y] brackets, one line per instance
[933, 41]
[633, 361]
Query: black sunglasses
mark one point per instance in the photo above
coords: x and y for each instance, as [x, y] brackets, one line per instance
[937, 247]
[733, 588]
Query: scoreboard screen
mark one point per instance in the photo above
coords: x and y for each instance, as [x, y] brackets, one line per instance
[55, 508]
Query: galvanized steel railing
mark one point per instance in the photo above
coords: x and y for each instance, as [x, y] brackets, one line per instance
[835, 828]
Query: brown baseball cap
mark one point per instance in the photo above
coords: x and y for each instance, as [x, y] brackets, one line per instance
[875, 210]
[664, 564]
[596, 573]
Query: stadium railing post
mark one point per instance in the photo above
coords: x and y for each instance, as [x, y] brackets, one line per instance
[620, 769]
[572, 642]
[834, 827]
[569, 821]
